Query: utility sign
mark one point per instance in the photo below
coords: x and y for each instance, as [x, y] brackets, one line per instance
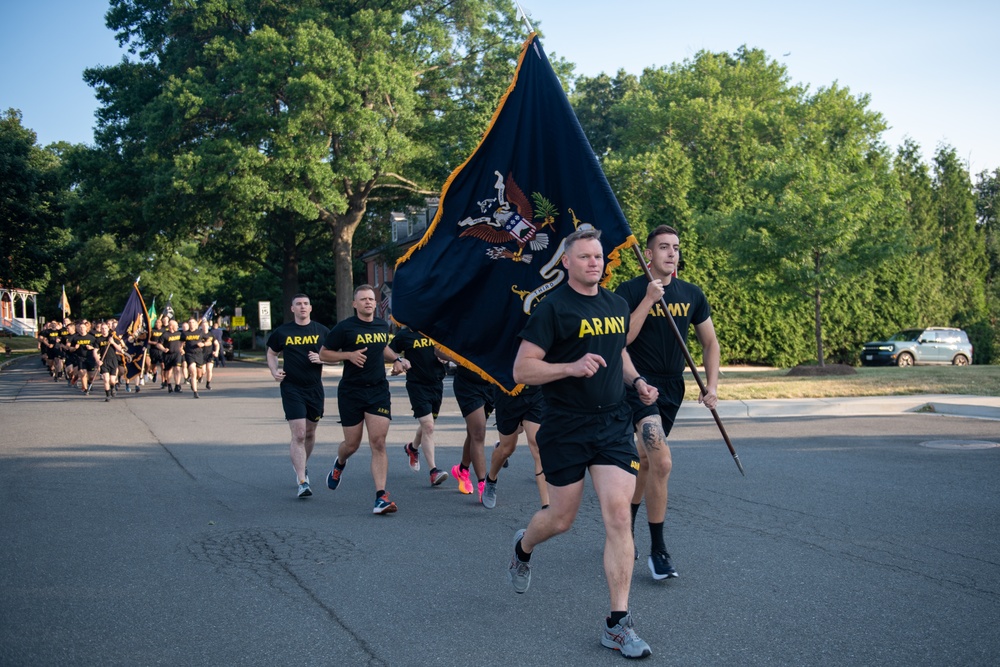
[265, 314]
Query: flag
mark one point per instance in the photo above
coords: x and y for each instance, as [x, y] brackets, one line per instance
[208, 313]
[152, 310]
[493, 250]
[132, 323]
[64, 303]
[134, 317]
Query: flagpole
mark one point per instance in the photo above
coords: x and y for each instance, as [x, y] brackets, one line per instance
[690, 361]
[523, 16]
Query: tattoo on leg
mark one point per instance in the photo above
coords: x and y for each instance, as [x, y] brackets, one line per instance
[650, 437]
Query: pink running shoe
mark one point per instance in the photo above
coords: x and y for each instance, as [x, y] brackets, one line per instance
[481, 485]
[462, 476]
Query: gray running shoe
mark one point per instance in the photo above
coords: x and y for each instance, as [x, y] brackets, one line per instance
[489, 494]
[659, 565]
[622, 638]
[304, 490]
[519, 572]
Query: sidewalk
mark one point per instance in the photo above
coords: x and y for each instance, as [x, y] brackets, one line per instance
[957, 405]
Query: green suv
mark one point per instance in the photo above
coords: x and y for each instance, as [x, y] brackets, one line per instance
[933, 345]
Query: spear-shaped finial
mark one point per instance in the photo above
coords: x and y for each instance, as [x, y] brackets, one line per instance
[523, 16]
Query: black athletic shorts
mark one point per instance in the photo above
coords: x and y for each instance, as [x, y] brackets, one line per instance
[52, 353]
[571, 442]
[425, 399]
[195, 358]
[171, 360]
[512, 410]
[89, 363]
[302, 402]
[473, 395]
[110, 364]
[72, 360]
[155, 355]
[355, 401]
[667, 404]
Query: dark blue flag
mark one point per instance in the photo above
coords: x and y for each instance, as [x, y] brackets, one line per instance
[133, 329]
[134, 318]
[493, 249]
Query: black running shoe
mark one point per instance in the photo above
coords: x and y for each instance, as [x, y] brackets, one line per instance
[659, 565]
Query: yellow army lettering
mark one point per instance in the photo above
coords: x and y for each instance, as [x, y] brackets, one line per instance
[635, 465]
[368, 339]
[302, 340]
[676, 309]
[597, 326]
[423, 342]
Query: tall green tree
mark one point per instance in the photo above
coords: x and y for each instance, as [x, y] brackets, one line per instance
[299, 114]
[31, 206]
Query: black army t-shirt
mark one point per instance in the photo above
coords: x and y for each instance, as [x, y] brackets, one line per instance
[294, 342]
[425, 367]
[356, 334]
[655, 349]
[568, 325]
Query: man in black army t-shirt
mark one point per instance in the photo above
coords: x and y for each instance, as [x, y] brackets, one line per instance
[301, 381]
[573, 346]
[657, 355]
[363, 397]
[425, 388]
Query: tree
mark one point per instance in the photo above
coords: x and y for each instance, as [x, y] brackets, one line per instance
[31, 205]
[293, 115]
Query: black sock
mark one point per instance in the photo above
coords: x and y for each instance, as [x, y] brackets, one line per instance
[379, 493]
[434, 470]
[491, 481]
[482, 479]
[521, 555]
[635, 510]
[656, 537]
[463, 467]
[340, 466]
[616, 618]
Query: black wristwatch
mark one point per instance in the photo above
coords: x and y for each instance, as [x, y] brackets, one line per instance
[637, 379]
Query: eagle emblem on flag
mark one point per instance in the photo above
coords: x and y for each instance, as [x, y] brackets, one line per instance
[512, 221]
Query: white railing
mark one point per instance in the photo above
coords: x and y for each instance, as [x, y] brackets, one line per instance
[19, 326]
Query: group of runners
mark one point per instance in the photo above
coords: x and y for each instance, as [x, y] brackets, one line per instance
[80, 352]
[601, 371]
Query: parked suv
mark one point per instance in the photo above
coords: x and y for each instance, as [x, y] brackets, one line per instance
[933, 345]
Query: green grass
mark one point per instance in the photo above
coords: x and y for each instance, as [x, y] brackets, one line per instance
[887, 381]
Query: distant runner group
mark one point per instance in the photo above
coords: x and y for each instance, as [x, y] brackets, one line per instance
[80, 352]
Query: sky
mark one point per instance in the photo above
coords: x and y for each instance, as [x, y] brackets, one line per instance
[931, 68]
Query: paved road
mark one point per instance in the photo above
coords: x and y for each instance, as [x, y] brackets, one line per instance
[157, 529]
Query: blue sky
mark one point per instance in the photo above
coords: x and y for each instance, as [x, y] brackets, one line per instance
[931, 68]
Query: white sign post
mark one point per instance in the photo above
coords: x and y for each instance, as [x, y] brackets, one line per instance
[264, 309]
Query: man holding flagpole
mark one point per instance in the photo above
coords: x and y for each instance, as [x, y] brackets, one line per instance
[574, 347]
[657, 355]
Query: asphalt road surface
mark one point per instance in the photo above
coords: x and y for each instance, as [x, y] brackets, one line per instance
[159, 529]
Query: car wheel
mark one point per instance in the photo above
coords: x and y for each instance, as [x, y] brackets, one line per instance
[904, 359]
[960, 360]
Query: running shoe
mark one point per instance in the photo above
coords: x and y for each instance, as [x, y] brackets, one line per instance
[383, 505]
[480, 485]
[333, 479]
[438, 476]
[413, 455]
[128, 389]
[489, 495]
[196, 395]
[208, 385]
[462, 476]
[304, 490]
[519, 572]
[659, 565]
[177, 389]
[170, 389]
[506, 461]
[622, 638]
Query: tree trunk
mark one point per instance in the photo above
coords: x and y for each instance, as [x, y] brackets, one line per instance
[289, 277]
[817, 300]
[343, 227]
